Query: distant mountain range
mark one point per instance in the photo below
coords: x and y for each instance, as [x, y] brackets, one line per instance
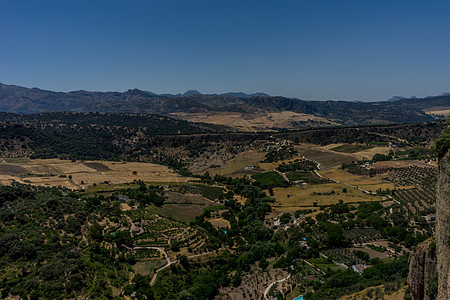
[396, 98]
[248, 112]
[195, 92]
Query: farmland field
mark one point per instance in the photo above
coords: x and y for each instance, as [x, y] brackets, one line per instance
[293, 198]
[238, 163]
[209, 192]
[147, 267]
[350, 148]
[6, 169]
[180, 212]
[271, 178]
[252, 122]
[326, 158]
[56, 172]
[364, 182]
[300, 175]
[270, 166]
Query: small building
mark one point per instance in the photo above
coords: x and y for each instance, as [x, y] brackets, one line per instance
[430, 218]
[359, 268]
[124, 198]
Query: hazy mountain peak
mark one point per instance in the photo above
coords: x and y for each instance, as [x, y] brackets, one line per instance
[244, 95]
[191, 92]
[395, 98]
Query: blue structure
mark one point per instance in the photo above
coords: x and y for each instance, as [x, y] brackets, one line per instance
[299, 297]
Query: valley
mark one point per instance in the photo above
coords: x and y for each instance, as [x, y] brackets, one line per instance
[251, 208]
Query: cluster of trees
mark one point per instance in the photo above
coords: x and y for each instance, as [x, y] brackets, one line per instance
[413, 133]
[306, 165]
[279, 154]
[145, 195]
[42, 253]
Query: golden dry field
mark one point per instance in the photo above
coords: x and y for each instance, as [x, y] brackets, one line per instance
[439, 111]
[362, 295]
[238, 163]
[369, 153]
[232, 119]
[56, 172]
[296, 197]
[219, 223]
[364, 154]
[364, 182]
[256, 121]
[403, 163]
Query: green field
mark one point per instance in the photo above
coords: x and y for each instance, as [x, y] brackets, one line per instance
[323, 264]
[268, 179]
[210, 192]
[300, 175]
[351, 148]
[147, 267]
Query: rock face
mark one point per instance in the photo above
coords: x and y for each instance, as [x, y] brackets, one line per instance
[443, 229]
[422, 266]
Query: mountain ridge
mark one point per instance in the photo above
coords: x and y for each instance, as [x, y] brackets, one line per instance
[262, 111]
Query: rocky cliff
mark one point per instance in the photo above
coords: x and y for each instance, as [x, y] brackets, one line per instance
[443, 229]
[422, 268]
[429, 267]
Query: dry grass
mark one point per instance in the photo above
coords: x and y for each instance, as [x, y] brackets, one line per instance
[84, 174]
[256, 121]
[47, 181]
[403, 163]
[42, 169]
[364, 182]
[440, 111]
[369, 153]
[232, 119]
[295, 197]
[362, 295]
[70, 167]
[238, 163]
[124, 207]
[219, 223]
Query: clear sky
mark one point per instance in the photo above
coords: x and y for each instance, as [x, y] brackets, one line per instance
[342, 50]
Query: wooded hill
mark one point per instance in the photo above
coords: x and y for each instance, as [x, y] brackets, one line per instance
[87, 135]
[100, 136]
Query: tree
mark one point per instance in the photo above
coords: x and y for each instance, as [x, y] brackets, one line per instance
[185, 262]
[185, 295]
[175, 245]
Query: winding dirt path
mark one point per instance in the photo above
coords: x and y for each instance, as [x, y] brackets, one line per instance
[267, 290]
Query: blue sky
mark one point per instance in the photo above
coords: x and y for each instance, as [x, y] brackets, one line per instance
[342, 50]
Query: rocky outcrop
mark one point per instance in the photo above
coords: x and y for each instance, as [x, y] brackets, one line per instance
[443, 229]
[422, 267]
[431, 260]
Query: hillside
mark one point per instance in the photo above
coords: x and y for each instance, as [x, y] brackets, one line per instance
[87, 135]
[245, 112]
